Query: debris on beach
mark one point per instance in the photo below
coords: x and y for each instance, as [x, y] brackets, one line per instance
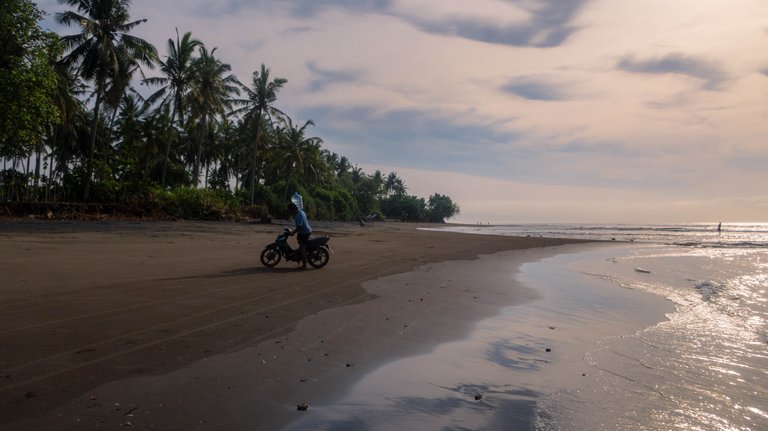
[644, 271]
[302, 407]
[708, 289]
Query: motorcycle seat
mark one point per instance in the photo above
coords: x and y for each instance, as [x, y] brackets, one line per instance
[319, 240]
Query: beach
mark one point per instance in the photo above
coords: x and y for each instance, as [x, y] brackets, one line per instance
[177, 325]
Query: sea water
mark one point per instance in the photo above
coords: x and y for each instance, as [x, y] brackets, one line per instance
[705, 367]
[666, 332]
[709, 235]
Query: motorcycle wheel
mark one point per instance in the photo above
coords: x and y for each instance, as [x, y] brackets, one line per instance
[270, 257]
[318, 258]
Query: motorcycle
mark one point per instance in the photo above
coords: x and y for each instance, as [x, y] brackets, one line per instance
[318, 251]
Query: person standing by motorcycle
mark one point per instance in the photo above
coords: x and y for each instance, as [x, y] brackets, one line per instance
[302, 231]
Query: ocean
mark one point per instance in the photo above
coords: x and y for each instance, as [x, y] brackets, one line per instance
[659, 328]
[705, 367]
[734, 235]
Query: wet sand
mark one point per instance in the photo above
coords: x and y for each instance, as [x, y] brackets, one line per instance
[514, 370]
[177, 325]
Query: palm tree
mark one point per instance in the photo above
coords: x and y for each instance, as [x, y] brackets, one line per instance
[105, 52]
[378, 180]
[219, 155]
[272, 164]
[63, 137]
[179, 73]
[235, 154]
[132, 143]
[303, 155]
[210, 95]
[261, 97]
[357, 174]
[394, 185]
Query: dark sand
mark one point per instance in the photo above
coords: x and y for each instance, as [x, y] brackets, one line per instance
[177, 325]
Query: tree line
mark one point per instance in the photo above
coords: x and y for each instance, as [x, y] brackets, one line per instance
[73, 128]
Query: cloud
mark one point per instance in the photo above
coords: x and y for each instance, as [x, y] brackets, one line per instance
[296, 8]
[321, 78]
[423, 139]
[711, 72]
[536, 89]
[550, 24]
[312, 7]
[412, 138]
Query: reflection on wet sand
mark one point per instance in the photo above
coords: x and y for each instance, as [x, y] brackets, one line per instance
[494, 378]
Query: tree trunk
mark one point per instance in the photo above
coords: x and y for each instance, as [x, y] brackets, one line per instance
[50, 182]
[199, 149]
[27, 168]
[253, 158]
[94, 127]
[168, 144]
[38, 161]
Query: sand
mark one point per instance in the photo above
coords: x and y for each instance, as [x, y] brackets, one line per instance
[178, 326]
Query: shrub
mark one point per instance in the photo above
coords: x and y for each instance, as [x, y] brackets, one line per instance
[13, 185]
[196, 204]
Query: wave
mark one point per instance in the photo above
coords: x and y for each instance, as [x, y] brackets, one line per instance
[746, 244]
[737, 235]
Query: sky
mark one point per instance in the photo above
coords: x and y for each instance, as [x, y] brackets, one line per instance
[584, 111]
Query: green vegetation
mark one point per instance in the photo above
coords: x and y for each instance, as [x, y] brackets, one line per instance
[202, 145]
[27, 79]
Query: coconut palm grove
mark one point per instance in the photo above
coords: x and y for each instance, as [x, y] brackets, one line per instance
[75, 134]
